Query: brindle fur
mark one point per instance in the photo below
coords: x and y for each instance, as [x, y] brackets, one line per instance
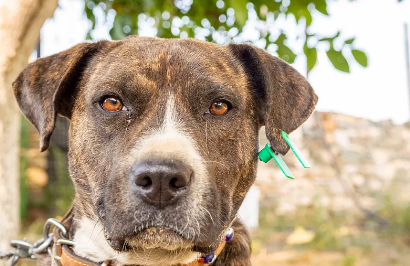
[143, 72]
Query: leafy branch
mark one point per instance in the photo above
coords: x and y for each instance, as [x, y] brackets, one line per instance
[224, 21]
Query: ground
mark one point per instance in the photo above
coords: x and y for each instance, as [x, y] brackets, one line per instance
[314, 237]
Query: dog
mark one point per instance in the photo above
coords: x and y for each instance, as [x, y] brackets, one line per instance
[163, 141]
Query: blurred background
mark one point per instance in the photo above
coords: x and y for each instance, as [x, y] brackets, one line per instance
[351, 208]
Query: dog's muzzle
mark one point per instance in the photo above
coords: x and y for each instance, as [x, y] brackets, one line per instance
[63, 255]
[59, 247]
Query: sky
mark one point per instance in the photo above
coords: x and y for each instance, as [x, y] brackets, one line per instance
[378, 92]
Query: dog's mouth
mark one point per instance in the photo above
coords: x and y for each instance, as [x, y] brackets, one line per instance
[158, 237]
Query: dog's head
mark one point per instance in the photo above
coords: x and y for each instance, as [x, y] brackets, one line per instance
[163, 138]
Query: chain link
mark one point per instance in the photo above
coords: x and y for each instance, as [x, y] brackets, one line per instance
[23, 249]
[6, 255]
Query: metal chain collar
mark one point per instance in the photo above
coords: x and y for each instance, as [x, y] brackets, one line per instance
[23, 249]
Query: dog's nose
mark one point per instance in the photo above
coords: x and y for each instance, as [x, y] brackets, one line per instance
[161, 182]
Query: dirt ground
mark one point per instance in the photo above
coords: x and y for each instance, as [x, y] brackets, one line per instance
[307, 257]
[305, 248]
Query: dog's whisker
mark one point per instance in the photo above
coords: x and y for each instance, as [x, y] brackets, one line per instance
[187, 223]
[136, 254]
[96, 222]
[135, 217]
[96, 237]
[210, 216]
[225, 166]
[197, 227]
[206, 136]
[177, 255]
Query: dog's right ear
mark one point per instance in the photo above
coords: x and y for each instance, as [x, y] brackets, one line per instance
[47, 86]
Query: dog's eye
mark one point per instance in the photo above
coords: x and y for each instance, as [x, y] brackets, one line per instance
[112, 105]
[219, 107]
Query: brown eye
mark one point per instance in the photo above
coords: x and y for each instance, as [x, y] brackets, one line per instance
[219, 108]
[112, 105]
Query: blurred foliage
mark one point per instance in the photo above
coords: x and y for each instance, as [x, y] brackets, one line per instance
[45, 186]
[224, 21]
[351, 237]
[60, 189]
[24, 145]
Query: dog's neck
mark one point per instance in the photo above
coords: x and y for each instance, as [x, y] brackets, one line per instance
[91, 244]
[92, 248]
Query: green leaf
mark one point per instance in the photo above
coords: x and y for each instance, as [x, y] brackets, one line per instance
[311, 57]
[360, 57]
[338, 60]
[308, 17]
[286, 54]
[321, 6]
[330, 39]
[349, 41]
[299, 10]
[241, 12]
[283, 50]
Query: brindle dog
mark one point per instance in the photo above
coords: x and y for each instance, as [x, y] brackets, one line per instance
[163, 140]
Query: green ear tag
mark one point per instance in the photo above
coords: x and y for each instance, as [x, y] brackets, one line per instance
[266, 154]
[296, 150]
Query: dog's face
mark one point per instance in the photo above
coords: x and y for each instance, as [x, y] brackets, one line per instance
[164, 133]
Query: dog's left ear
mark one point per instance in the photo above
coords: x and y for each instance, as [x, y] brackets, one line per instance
[283, 96]
[47, 86]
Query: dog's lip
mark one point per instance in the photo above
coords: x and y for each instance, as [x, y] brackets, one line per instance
[158, 237]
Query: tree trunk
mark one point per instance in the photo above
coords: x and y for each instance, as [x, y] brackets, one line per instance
[20, 24]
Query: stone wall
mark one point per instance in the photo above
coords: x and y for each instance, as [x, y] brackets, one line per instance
[350, 157]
